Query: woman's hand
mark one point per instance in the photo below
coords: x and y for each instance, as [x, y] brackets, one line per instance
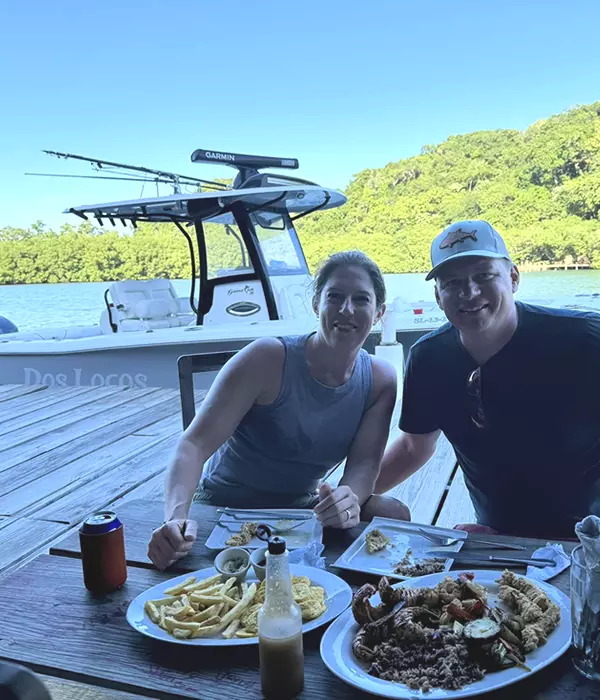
[171, 541]
[337, 507]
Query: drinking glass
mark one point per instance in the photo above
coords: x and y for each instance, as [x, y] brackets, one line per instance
[585, 616]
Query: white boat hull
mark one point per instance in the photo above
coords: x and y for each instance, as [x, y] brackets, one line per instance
[149, 359]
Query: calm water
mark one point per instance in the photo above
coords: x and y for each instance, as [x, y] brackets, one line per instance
[53, 305]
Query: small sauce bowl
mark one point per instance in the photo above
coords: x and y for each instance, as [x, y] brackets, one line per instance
[234, 561]
[257, 558]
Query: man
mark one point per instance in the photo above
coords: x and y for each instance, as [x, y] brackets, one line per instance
[515, 388]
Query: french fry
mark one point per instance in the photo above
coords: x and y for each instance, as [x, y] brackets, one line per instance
[172, 624]
[240, 607]
[195, 609]
[231, 629]
[175, 590]
[205, 631]
[184, 612]
[227, 585]
[152, 611]
[201, 585]
[182, 634]
[206, 599]
[165, 601]
[214, 620]
[206, 614]
[212, 590]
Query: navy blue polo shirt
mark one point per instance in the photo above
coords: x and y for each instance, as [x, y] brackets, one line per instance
[535, 469]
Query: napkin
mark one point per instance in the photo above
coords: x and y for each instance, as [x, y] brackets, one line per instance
[588, 532]
[309, 555]
[552, 551]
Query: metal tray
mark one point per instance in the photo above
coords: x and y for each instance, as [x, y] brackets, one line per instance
[309, 531]
[403, 535]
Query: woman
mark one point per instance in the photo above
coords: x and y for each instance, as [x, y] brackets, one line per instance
[283, 412]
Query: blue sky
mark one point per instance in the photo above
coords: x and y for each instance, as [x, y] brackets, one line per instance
[340, 85]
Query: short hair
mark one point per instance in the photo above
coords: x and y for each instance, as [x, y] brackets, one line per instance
[350, 258]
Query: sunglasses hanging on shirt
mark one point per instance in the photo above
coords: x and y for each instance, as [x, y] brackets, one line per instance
[476, 410]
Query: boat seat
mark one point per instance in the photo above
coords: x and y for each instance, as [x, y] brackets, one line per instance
[146, 305]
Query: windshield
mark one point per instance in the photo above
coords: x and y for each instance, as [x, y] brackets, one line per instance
[279, 243]
[226, 251]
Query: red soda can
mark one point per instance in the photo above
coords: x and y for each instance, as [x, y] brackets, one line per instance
[103, 552]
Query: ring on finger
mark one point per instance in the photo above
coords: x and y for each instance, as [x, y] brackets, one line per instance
[347, 511]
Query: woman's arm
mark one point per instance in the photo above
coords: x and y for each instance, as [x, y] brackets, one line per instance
[250, 377]
[406, 455]
[368, 446]
[364, 456]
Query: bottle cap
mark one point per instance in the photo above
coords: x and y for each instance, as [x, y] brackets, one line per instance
[276, 545]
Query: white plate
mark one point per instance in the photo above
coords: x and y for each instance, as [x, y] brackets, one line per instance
[309, 531]
[338, 596]
[336, 649]
[403, 535]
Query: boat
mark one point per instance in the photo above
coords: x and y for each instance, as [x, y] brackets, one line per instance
[260, 287]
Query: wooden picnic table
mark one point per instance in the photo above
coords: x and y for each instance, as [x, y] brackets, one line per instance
[84, 644]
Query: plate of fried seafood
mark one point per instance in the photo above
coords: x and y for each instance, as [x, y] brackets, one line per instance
[204, 609]
[398, 550]
[235, 530]
[447, 636]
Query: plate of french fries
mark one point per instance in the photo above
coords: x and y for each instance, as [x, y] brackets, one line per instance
[204, 608]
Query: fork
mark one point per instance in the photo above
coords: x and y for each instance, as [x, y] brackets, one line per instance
[443, 541]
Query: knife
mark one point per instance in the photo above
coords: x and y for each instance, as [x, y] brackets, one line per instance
[265, 514]
[484, 558]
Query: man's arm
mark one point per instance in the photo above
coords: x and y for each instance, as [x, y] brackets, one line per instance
[364, 456]
[406, 455]
[238, 386]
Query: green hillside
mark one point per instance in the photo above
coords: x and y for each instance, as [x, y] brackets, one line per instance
[540, 188]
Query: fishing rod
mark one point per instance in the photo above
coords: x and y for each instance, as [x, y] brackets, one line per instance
[160, 176]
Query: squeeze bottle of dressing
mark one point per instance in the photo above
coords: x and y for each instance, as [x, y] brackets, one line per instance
[280, 629]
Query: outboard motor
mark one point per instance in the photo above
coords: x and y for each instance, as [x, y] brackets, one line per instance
[7, 326]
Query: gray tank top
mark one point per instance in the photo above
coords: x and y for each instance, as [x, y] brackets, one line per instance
[280, 451]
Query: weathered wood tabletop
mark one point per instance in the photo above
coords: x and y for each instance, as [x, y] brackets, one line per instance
[53, 625]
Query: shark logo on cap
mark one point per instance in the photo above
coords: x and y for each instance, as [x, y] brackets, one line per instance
[457, 237]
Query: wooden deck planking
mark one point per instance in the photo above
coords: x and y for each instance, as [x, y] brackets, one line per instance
[153, 490]
[71, 451]
[49, 452]
[106, 487]
[31, 402]
[12, 391]
[53, 408]
[78, 449]
[424, 490]
[170, 424]
[23, 536]
[47, 488]
[105, 406]
[458, 507]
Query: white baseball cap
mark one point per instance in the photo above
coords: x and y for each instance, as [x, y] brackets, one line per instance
[463, 239]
